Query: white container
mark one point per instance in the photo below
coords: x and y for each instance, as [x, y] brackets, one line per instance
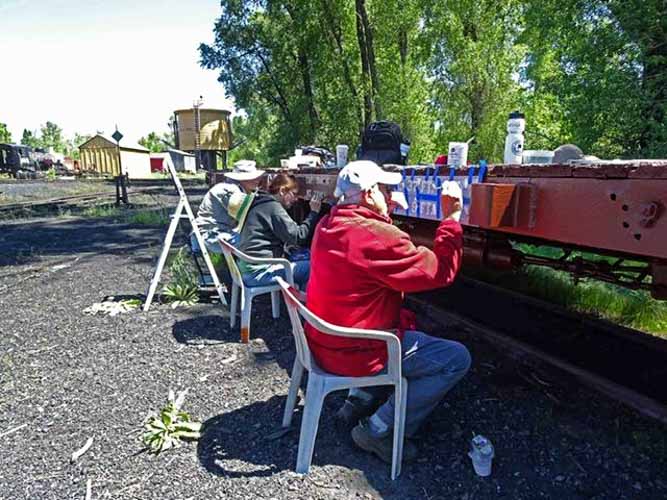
[458, 154]
[538, 156]
[341, 155]
[481, 453]
[515, 139]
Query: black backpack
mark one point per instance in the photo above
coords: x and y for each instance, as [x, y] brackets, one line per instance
[381, 143]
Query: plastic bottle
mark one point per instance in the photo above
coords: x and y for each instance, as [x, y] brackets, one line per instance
[514, 140]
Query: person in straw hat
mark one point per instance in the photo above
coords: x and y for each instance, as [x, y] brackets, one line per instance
[213, 217]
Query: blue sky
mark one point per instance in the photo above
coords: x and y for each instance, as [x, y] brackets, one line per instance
[88, 65]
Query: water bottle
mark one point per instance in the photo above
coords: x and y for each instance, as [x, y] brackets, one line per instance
[514, 140]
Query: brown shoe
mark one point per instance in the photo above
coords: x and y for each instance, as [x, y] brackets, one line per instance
[381, 446]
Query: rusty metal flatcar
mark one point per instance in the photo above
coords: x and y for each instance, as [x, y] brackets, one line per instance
[613, 209]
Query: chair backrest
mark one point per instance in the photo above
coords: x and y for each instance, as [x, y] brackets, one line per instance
[296, 308]
[229, 251]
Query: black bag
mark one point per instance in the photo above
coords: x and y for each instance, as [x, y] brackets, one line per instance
[384, 143]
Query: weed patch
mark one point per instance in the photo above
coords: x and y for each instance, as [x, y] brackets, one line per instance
[183, 289]
[149, 218]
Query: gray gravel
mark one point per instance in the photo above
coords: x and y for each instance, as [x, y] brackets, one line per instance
[70, 376]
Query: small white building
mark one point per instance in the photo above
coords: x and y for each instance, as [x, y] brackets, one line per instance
[182, 161]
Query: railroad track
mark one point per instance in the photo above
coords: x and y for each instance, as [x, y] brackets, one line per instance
[622, 363]
[75, 200]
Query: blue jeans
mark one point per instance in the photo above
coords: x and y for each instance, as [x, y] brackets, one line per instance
[211, 240]
[432, 367]
[267, 276]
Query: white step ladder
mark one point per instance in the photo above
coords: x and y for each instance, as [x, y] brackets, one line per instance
[176, 217]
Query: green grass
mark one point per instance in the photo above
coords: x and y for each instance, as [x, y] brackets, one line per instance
[149, 218]
[632, 308]
[101, 211]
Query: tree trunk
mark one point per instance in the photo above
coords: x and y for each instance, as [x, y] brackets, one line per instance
[331, 26]
[304, 64]
[403, 45]
[365, 66]
[370, 52]
[280, 100]
[654, 83]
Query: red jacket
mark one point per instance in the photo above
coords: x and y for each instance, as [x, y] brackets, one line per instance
[360, 267]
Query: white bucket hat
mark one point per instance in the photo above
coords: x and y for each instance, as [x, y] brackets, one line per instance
[244, 170]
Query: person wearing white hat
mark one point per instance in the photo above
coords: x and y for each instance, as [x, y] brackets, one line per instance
[361, 266]
[213, 217]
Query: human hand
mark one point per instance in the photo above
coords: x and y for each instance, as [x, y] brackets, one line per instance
[451, 198]
[397, 200]
[315, 203]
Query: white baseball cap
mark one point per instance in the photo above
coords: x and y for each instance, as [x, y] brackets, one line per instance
[360, 175]
[244, 170]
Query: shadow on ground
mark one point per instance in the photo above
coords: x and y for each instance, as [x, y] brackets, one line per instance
[26, 243]
[276, 343]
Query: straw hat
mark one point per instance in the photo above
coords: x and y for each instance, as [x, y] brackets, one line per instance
[238, 207]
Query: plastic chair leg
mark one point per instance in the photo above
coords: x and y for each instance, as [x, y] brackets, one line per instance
[295, 382]
[246, 304]
[275, 304]
[234, 306]
[400, 402]
[309, 423]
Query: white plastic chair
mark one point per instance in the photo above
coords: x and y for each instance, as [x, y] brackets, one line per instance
[321, 383]
[245, 294]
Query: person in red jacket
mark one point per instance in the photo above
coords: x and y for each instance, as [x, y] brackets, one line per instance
[361, 266]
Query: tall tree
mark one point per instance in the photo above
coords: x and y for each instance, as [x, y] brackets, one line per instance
[602, 65]
[585, 71]
[52, 137]
[470, 50]
[5, 134]
[30, 139]
[154, 142]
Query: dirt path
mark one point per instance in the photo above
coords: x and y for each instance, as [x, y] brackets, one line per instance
[69, 376]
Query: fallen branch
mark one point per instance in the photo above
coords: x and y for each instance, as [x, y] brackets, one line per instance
[89, 486]
[83, 450]
[10, 431]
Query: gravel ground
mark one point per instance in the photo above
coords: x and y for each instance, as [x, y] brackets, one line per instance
[69, 376]
[16, 191]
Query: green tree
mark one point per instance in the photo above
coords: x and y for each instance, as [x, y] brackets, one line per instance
[152, 142]
[73, 145]
[592, 72]
[601, 65]
[30, 139]
[5, 134]
[470, 51]
[52, 137]
[156, 142]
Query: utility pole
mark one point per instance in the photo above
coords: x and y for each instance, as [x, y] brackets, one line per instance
[121, 187]
[197, 119]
